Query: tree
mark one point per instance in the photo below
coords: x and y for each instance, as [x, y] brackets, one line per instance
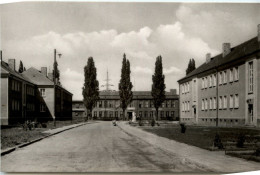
[158, 86]
[125, 85]
[21, 68]
[57, 73]
[191, 66]
[90, 90]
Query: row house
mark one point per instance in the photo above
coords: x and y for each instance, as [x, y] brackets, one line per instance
[224, 91]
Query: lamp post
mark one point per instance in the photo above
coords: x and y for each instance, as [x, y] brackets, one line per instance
[54, 84]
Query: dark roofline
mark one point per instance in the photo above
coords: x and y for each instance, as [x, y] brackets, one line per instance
[218, 58]
[11, 73]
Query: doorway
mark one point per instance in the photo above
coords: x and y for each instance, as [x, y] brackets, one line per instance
[130, 115]
[250, 113]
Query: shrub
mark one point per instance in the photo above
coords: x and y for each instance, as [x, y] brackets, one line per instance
[257, 151]
[241, 140]
[153, 123]
[218, 142]
[183, 127]
[44, 125]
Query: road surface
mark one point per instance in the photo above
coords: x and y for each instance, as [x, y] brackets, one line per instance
[97, 147]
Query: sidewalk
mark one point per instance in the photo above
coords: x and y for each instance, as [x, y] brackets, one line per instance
[213, 161]
[50, 132]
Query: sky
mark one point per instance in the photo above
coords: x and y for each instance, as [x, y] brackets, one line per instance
[30, 31]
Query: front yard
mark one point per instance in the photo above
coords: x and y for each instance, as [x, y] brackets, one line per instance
[13, 136]
[203, 137]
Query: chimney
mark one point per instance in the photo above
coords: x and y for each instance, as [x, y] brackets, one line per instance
[50, 76]
[173, 91]
[11, 63]
[208, 56]
[226, 49]
[44, 71]
[258, 33]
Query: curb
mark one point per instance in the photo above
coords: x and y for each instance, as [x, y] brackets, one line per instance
[9, 150]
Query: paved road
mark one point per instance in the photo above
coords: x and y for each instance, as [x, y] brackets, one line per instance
[98, 147]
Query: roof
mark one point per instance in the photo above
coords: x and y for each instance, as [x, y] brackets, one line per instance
[37, 77]
[5, 69]
[40, 79]
[247, 48]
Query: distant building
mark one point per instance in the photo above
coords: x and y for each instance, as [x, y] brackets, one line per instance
[30, 96]
[108, 107]
[225, 90]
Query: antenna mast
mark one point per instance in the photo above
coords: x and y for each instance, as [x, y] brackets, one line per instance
[107, 85]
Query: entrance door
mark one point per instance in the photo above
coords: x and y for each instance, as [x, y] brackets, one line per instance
[130, 115]
[250, 113]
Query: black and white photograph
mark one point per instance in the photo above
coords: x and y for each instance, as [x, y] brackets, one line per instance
[130, 87]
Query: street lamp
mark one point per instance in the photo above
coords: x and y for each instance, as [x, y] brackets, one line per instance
[54, 84]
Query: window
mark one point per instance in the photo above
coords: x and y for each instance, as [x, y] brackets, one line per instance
[214, 80]
[202, 105]
[146, 114]
[95, 114]
[231, 75]
[210, 81]
[146, 104]
[225, 102]
[42, 91]
[172, 113]
[220, 102]
[151, 114]
[42, 108]
[214, 103]
[236, 74]
[140, 114]
[220, 78]
[236, 101]
[167, 114]
[140, 104]
[251, 77]
[111, 114]
[203, 85]
[172, 104]
[121, 114]
[206, 104]
[210, 103]
[188, 87]
[182, 106]
[100, 114]
[188, 106]
[224, 77]
[100, 104]
[206, 82]
[116, 114]
[162, 114]
[231, 101]
[151, 104]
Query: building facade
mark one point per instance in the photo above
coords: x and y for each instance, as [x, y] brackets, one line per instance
[18, 99]
[30, 96]
[108, 107]
[58, 107]
[225, 90]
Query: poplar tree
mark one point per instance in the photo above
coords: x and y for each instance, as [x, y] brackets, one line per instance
[158, 86]
[90, 90]
[191, 66]
[125, 85]
[21, 68]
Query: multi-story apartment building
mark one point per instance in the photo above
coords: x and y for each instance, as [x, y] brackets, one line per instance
[108, 107]
[18, 100]
[30, 96]
[58, 107]
[225, 90]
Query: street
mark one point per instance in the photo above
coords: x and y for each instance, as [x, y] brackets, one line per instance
[97, 147]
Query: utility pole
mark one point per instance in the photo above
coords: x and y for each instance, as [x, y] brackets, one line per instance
[54, 85]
